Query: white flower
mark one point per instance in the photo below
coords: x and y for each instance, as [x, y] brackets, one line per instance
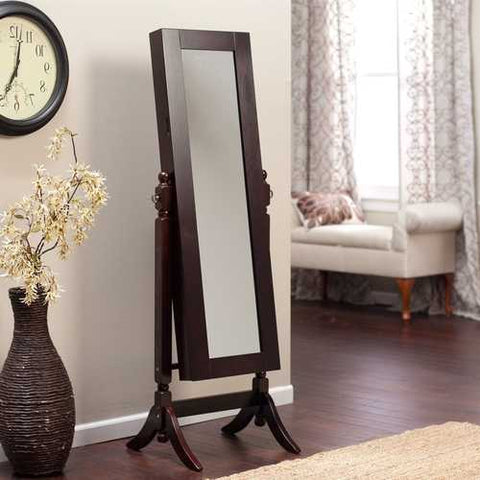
[56, 142]
[56, 216]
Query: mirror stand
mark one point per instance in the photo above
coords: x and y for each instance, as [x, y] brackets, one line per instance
[162, 420]
[262, 407]
[162, 423]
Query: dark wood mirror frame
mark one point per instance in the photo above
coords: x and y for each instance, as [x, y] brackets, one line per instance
[178, 277]
[194, 361]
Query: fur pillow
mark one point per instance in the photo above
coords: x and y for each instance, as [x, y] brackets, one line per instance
[316, 209]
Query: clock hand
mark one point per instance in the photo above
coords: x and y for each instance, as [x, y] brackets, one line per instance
[9, 83]
[15, 70]
[17, 62]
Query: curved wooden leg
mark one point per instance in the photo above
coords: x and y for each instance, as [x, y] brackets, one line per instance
[263, 408]
[260, 416]
[448, 293]
[243, 418]
[276, 426]
[178, 441]
[405, 285]
[148, 431]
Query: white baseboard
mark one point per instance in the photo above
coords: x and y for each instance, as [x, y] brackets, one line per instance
[123, 427]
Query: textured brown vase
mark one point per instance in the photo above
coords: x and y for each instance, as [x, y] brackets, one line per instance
[37, 410]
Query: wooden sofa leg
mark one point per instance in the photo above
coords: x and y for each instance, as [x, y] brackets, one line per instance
[405, 286]
[448, 293]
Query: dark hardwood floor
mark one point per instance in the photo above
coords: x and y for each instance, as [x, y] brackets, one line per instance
[358, 374]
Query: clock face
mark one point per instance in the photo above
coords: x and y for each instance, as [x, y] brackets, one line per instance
[28, 72]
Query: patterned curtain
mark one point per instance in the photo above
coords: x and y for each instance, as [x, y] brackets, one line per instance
[323, 84]
[438, 148]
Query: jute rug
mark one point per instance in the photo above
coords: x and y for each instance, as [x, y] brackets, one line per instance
[440, 452]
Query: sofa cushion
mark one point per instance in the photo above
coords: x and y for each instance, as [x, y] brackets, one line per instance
[357, 236]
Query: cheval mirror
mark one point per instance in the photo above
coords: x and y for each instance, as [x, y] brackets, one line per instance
[212, 254]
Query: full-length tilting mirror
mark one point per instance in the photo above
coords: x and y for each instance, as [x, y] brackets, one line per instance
[224, 305]
[212, 235]
[221, 212]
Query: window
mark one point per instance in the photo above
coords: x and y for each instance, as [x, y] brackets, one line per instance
[376, 138]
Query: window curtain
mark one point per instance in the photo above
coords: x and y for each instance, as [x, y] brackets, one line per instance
[437, 136]
[323, 85]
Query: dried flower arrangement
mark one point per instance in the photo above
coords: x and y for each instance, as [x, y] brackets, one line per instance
[56, 216]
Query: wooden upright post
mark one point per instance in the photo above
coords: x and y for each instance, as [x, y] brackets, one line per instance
[162, 421]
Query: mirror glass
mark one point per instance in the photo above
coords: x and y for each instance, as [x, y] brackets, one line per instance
[220, 203]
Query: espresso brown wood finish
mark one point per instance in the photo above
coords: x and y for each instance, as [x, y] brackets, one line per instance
[162, 420]
[178, 279]
[175, 160]
[194, 360]
[358, 374]
[262, 408]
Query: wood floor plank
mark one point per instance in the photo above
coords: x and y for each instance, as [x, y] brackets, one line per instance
[358, 373]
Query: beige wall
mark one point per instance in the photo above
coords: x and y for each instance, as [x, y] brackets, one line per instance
[103, 325]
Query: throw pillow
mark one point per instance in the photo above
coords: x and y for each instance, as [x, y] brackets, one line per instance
[317, 209]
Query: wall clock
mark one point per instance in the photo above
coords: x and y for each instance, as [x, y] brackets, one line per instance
[33, 68]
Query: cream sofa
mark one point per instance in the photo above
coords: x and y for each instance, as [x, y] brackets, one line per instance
[421, 243]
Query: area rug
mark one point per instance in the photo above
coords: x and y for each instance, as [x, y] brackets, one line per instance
[440, 452]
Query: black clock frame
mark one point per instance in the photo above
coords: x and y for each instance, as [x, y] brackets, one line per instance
[37, 121]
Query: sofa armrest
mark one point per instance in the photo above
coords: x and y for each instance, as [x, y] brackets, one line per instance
[425, 218]
[431, 217]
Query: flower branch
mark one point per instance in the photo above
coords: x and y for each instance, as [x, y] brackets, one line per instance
[57, 216]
